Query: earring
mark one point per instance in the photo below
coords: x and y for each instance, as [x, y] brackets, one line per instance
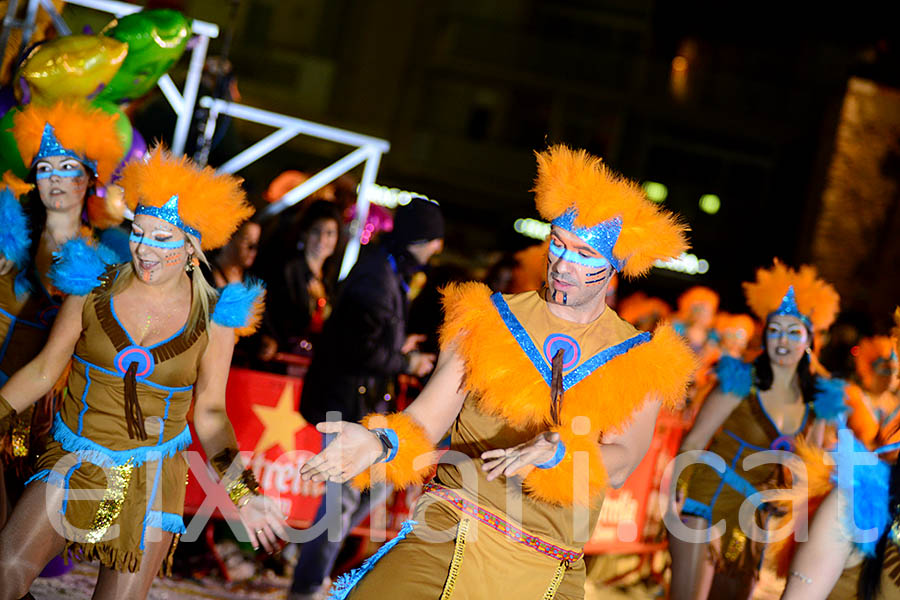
[808, 351]
[192, 262]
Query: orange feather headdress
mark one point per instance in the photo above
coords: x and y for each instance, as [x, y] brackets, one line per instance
[697, 294]
[639, 307]
[729, 322]
[198, 200]
[814, 299]
[83, 132]
[578, 192]
[871, 350]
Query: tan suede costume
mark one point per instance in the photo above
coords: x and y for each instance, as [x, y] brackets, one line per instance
[143, 486]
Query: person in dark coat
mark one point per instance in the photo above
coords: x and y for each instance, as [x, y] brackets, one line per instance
[363, 347]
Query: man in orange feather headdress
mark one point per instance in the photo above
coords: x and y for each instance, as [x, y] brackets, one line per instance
[549, 398]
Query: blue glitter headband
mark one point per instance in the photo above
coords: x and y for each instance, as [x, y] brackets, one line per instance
[789, 308]
[50, 146]
[168, 212]
[602, 237]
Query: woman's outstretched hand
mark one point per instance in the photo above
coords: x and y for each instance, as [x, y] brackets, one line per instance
[506, 461]
[352, 451]
[264, 522]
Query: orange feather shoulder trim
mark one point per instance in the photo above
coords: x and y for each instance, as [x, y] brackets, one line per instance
[415, 458]
[509, 386]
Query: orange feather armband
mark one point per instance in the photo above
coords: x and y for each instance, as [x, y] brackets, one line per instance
[414, 456]
[579, 478]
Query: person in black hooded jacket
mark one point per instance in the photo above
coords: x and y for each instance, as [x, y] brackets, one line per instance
[363, 347]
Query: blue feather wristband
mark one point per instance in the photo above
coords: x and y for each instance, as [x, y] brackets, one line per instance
[557, 457]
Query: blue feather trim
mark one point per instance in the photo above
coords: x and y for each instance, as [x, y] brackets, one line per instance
[871, 496]
[79, 266]
[346, 582]
[829, 402]
[236, 301]
[166, 521]
[14, 232]
[15, 238]
[92, 452]
[735, 376]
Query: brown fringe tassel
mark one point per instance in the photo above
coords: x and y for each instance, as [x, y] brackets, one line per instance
[556, 386]
[134, 416]
[112, 558]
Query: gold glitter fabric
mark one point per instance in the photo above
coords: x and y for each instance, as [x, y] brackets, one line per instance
[20, 434]
[112, 514]
[118, 479]
[242, 487]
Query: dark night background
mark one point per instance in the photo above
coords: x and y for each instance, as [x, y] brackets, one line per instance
[465, 91]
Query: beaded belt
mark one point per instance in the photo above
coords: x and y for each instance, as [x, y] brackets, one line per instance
[498, 524]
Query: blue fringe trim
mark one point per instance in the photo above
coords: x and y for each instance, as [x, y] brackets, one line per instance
[735, 376]
[871, 495]
[48, 476]
[346, 582]
[829, 402]
[92, 452]
[78, 266]
[166, 521]
[15, 239]
[235, 303]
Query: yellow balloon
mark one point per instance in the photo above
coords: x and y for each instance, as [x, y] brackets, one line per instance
[72, 66]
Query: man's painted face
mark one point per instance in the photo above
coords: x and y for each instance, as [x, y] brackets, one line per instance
[159, 250]
[62, 182]
[787, 338]
[576, 273]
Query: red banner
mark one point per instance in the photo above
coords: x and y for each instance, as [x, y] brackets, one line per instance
[630, 514]
[262, 408]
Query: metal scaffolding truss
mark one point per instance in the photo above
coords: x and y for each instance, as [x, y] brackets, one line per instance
[182, 102]
[368, 150]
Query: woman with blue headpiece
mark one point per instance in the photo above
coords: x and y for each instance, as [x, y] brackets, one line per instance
[853, 550]
[146, 338]
[758, 406]
[70, 149]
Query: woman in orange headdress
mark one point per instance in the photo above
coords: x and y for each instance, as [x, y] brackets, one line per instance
[755, 407]
[71, 149]
[147, 338]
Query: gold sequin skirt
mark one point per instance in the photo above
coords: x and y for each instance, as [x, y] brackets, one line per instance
[112, 514]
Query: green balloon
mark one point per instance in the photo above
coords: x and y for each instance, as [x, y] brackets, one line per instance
[124, 130]
[156, 40]
[10, 159]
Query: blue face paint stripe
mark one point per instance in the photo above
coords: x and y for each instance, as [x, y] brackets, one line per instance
[595, 273]
[140, 239]
[59, 173]
[601, 280]
[578, 259]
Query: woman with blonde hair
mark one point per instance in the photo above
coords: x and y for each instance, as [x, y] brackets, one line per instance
[145, 338]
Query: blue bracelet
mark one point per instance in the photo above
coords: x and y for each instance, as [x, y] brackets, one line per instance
[557, 458]
[391, 436]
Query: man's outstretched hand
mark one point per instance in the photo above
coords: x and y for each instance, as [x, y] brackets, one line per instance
[353, 450]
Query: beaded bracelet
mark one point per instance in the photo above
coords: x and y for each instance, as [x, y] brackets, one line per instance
[239, 486]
